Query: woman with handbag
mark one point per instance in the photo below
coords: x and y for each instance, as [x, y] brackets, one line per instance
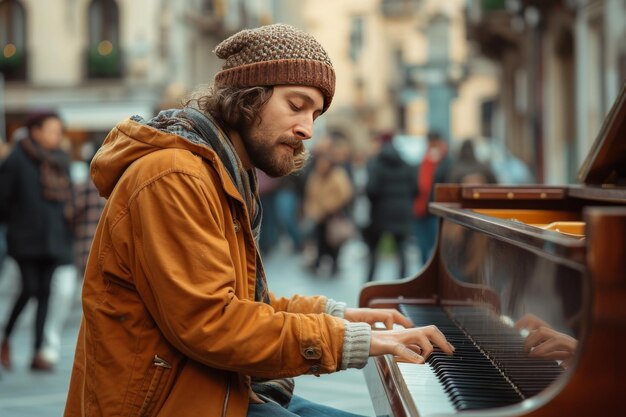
[328, 192]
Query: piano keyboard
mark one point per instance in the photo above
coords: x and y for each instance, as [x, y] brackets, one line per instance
[488, 369]
[428, 394]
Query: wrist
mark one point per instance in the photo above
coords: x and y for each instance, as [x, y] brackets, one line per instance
[356, 345]
[335, 308]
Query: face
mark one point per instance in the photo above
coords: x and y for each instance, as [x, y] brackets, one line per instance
[49, 134]
[286, 120]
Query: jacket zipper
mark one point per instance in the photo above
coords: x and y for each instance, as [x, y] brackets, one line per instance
[158, 361]
[225, 406]
[155, 385]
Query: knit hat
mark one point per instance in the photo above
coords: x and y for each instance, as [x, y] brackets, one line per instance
[276, 54]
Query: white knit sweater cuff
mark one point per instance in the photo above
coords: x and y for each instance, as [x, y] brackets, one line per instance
[356, 345]
[335, 308]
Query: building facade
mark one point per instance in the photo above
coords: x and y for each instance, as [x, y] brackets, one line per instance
[99, 61]
[402, 65]
[562, 64]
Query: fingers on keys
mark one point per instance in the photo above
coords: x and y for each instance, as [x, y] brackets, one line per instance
[420, 341]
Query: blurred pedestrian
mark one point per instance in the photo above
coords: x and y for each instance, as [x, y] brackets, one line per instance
[468, 170]
[433, 169]
[361, 203]
[5, 148]
[62, 296]
[178, 319]
[289, 198]
[327, 195]
[391, 188]
[88, 206]
[35, 192]
[268, 187]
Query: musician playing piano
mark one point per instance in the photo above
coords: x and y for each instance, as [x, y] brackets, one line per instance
[177, 317]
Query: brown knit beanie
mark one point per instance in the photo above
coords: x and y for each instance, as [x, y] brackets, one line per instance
[277, 54]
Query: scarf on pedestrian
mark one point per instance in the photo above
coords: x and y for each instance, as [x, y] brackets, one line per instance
[200, 129]
[53, 174]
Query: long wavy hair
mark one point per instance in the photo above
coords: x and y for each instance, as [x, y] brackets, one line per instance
[237, 108]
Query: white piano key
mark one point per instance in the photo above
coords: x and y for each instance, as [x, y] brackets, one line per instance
[427, 392]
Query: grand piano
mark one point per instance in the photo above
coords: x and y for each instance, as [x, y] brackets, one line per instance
[554, 257]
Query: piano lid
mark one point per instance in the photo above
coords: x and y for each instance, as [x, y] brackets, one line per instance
[606, 162]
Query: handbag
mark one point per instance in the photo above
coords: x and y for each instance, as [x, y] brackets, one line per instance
[339, 229]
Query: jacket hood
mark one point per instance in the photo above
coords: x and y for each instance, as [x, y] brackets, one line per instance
[127, 142]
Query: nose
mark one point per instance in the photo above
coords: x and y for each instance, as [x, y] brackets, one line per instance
[304, 128]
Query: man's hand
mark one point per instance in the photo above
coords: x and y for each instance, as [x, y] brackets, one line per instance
[372, 315]
[547, 343]
[530, 322]
[411, 345]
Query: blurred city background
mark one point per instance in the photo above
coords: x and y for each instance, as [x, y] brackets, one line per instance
[524, 84]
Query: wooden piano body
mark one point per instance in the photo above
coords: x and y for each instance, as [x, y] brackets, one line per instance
[558, 253]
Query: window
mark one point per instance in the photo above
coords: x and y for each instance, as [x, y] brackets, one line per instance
[438, 40]
[356, 37]
[13, 54]
[104, 57]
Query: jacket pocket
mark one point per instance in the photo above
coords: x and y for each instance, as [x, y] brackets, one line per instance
[159, 380]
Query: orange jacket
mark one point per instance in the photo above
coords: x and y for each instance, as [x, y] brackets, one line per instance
[170, 325]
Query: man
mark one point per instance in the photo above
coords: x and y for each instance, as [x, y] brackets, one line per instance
[177, 317]
[390, 188]
[432, 170]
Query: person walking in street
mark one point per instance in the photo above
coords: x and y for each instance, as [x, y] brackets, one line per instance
[289, 198]
[268, 188]
[5, 149]
[467, 169]
[391, 188]
[88, 206]
[177, 316]
[36, 204]
[432, 170]
[328, 192]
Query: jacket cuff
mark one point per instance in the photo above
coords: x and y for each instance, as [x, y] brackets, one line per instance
[356, 345]
[335, 308]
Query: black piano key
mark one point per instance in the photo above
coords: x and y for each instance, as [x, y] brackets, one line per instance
[490, 369]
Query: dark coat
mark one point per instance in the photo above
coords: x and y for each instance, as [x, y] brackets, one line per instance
[467, 166]
[391, 188]
[36, 227]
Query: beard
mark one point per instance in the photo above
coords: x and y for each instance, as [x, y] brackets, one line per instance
[264, 152]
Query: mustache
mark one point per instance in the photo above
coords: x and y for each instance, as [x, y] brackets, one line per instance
[296, 144]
